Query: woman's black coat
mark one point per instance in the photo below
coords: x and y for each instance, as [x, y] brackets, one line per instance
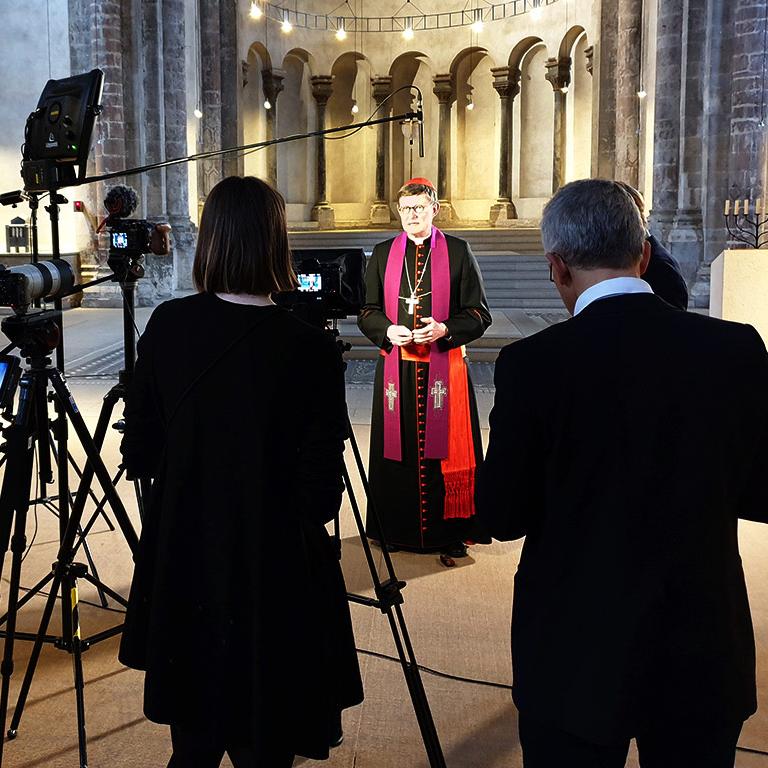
[238, 606]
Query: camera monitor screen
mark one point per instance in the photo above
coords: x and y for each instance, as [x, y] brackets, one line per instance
[9, 376]
[311, 282]
[119, 239]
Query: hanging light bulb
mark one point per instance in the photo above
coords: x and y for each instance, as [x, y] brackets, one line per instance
[256, 12]
[198, 113]
[267, 104]
[408, 31]
[471, 104]
[564, 89]
[477, 24]
[355, 108]
[641, 94]
[286, 26]
[536, 11]
[341, 31]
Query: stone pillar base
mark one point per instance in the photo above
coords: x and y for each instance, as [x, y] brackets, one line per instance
[106, 294]
[502, 212]
[324, 215]
[699, 295]
[183, 241]
[446, 214]
[380, 213]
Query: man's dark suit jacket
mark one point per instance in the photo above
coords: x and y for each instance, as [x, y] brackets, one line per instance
[625, 444]
[664, 275]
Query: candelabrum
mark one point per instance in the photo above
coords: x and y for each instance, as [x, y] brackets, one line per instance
[747, 222]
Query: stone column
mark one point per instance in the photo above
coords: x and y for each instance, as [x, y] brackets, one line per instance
[210, 172]
[109, 137]
[230, 73]
[183, 235]
[604, 57]
[272, 82]
[506, 82]
[445, 91]
[322, 212]
[667, 116]
[686, 239]
[381, 87]
[559, 75]
[628, 84]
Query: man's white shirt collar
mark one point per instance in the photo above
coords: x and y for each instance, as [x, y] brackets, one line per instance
[615, 286]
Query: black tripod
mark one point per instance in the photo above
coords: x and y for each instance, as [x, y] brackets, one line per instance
[29, 423]
[126, 271]
[388, 598]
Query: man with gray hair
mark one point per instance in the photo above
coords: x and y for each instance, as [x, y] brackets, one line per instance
[625, 444]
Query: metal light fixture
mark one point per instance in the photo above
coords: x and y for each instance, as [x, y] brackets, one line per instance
[267, 104]
[256, 12]
[408, 31]
[341, 32]
[286, 26]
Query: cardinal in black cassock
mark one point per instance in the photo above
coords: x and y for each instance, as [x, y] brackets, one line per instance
[424, 301]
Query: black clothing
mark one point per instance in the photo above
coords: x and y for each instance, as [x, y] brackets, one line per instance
[625, 443]
[668, 745]
[238, 604]
[409, 495]
[203, 747]
[664, 275]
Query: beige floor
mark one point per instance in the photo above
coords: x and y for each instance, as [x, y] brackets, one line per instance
[458, 621]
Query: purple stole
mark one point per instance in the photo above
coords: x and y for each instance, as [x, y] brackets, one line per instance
[436, 439]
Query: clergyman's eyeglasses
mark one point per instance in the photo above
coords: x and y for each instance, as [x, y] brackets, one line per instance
[417, 209]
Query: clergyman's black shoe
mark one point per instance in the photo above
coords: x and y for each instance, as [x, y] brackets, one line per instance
[457, 549]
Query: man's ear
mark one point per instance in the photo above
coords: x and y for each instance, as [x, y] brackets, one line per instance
[645, 259]
[560, 271]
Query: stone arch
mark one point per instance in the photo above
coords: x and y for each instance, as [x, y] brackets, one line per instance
[569, 40]
[296, 114]
[254, 117]
[536, 118]
[579, 114]
[351, 161]
[412, 68]
[474, 174]
[517, 53]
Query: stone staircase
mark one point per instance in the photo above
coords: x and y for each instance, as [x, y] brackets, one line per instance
[516, 276]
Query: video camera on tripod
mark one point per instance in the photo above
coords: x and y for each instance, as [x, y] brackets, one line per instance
[131, 239]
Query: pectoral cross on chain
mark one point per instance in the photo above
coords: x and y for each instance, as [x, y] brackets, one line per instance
[391, 395]
[412, 302]
[438, 391]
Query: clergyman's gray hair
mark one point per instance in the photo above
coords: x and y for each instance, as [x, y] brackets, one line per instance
[593, 224]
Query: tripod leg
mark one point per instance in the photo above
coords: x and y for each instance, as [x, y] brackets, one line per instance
[95, 462]
[26, 683]
[18, 545]
[388, 600]
[77, 659]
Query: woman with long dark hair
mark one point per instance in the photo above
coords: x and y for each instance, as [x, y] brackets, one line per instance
[238, 610]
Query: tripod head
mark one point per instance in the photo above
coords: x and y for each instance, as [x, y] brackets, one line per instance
[36, 334]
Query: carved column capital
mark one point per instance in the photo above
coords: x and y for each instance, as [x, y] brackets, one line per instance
[272, 82]
[322, 88]
[381, 87]
[559, 72]
[506, 81]
[589, 53]
[444, 88]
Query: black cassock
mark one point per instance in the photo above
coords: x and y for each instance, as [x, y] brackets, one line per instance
[409, 495]
[238, 609]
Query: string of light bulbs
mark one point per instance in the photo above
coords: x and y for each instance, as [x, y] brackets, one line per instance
[407, 20]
